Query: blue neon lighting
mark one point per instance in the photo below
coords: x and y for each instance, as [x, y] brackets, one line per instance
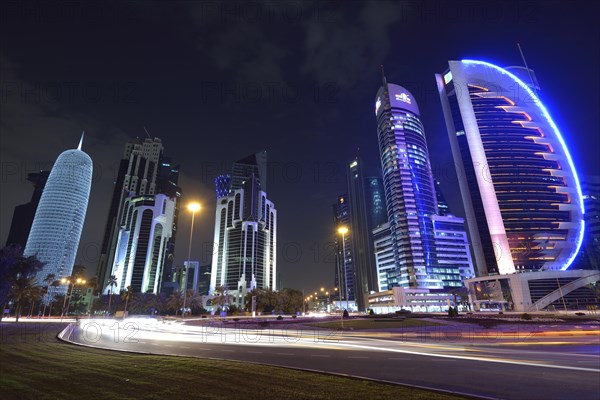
[560, 139]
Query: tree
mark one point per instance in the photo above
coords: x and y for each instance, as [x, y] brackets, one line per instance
[112, 281]
[221, 298]
[290, 300]
[175, 301]
[158, 303]
[24, 289]
[126, 295]
[11, 258]
[53, 285]
[47, 297]
[595, 288]
[18, 277]
[92, 283]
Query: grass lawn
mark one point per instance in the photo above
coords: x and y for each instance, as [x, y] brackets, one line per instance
[35, 365]
[373, 324]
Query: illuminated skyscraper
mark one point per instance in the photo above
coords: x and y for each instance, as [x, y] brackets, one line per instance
[519, 186]
[409, 189]
[139, 238]
[245, 230]
[345, 267]
[58, 221]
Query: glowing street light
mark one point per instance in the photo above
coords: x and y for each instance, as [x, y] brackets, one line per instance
[342, 230]
[194, 208]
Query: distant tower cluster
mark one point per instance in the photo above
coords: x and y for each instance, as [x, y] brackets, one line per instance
[245, 230]
[140, 232]
[58, 222]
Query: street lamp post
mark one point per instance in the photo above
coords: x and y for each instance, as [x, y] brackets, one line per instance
[193, 207]
[343, 230]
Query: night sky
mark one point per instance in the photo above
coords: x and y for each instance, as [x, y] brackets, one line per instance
[217, 81]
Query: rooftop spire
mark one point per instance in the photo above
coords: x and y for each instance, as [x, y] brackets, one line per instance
[81, 141]
[383, 75]
[532, 83]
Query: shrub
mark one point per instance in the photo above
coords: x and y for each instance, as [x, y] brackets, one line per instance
[452, 312]
[279, 318]
[294, 316]
[500, 313]
[526, 317]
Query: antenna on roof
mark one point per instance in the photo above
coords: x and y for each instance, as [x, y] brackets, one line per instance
[383, 75]
[147, 132]
[81, 141]
[533, 85]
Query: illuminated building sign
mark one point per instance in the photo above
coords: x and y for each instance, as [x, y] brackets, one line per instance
[403, 97]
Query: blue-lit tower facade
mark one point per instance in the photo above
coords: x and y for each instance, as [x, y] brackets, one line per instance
[519, 186]
[58, 222]
[409, 188]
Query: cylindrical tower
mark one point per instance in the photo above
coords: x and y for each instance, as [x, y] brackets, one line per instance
[59, 218]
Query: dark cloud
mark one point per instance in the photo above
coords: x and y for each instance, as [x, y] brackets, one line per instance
[344, 51]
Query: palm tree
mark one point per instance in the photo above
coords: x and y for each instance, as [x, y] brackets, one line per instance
[24, 289]
[220, 298]
[175, 301]
[54, 285]
[92, 283]
[112, 281]
[158, 303]
[17, 273]
[48, 280]
[126, 295]
[10, 256]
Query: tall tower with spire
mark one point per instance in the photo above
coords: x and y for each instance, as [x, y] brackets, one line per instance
[409, 189]
[58, 222]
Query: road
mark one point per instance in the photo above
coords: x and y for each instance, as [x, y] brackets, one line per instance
[556, 363]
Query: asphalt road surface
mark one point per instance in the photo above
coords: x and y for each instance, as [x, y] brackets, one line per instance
[550, 363]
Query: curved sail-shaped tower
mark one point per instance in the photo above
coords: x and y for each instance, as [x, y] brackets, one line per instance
[58, 221]
[519, 186]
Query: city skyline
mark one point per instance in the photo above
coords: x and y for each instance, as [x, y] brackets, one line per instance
[126, 103]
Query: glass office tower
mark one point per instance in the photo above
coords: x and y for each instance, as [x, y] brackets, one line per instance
[409, 188]
[519, 186]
